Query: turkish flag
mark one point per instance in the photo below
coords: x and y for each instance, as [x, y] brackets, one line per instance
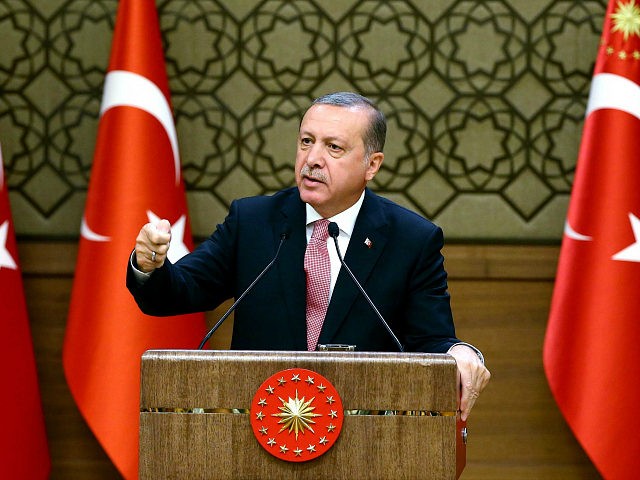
[135, 179]
[24, 453]
[592, 344]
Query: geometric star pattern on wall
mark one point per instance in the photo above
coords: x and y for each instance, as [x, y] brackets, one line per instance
[485, 102]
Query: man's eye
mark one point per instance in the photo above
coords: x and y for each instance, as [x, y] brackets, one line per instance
[305, 141]
[335, 148]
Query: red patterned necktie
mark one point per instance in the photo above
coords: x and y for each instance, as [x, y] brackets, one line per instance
[317, 267]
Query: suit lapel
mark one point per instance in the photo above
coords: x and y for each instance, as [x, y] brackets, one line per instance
[290, 267]
[368, 240]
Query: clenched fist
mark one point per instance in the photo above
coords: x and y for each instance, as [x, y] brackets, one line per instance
[152, 245]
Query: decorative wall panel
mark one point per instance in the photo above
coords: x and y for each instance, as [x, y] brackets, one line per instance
[485, 101]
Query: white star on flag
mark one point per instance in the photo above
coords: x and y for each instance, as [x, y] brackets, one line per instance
[6, 260]
[177, 249]
[632, 252]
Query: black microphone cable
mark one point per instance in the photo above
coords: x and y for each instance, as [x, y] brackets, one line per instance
[334, 231]
[283, 236]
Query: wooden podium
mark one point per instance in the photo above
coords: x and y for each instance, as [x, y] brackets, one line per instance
[400, 416]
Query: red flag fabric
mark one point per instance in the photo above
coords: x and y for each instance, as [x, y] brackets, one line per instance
[24, 453]
[592, 343]
[135, 178]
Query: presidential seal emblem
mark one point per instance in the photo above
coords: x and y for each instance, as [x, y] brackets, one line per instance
[296, 415]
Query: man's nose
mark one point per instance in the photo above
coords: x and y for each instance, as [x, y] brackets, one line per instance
[315, 156]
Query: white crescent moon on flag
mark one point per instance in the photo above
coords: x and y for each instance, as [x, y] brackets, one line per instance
[128, 89]
[86, 232]
[571, 233]
[609, 91]
[614, 92]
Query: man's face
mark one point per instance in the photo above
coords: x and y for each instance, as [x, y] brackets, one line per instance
[331, 171]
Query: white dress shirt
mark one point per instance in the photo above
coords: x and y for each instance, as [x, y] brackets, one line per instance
[346, 221]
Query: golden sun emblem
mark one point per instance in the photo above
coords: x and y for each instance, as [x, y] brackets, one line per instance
[626, 19]
[296, 415]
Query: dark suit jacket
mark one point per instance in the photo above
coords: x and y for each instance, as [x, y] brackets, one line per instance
[401, 270]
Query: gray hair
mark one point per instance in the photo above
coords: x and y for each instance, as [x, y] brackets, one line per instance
[374, 136]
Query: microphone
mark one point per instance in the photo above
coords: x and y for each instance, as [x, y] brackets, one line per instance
[283, 236]
[334, 231]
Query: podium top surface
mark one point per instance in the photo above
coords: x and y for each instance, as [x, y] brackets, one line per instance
[228, 379]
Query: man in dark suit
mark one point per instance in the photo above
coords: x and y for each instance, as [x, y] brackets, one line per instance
[392, 251]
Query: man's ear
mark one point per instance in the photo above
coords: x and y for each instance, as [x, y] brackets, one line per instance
[375, 161]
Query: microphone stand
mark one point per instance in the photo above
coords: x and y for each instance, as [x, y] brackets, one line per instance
[334, 232]
[283, 237]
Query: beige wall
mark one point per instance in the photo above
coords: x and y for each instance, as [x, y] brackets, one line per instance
[485, 101]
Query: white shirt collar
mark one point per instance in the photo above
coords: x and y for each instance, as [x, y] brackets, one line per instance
[346, 220]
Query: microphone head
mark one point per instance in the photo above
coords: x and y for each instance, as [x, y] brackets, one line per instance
[286, 232]
[334, 230]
